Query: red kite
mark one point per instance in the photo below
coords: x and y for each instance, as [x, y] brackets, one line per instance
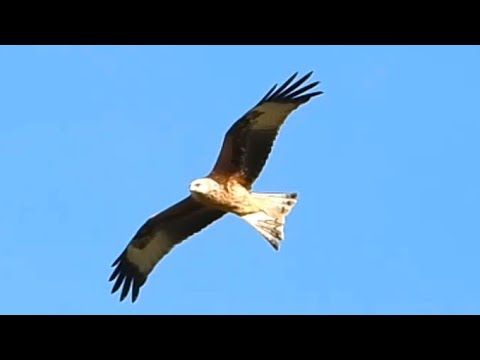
[226, 189]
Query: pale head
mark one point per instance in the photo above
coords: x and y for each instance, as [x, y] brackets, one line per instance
[203, 186]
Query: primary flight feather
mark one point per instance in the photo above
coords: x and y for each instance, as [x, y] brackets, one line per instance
[226, 189]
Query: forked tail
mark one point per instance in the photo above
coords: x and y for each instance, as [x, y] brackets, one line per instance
[270, 222]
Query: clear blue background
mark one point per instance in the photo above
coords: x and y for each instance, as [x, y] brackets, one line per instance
[95, 139]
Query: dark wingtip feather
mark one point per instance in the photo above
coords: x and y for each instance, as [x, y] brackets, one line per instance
[308, 75]
[285, 84]
[118, 283]
[292, 95]
[128, 275]
[291, 92]
[114, 274]
[135, 291]
[126, 288]
[268, 93]
[117, 260]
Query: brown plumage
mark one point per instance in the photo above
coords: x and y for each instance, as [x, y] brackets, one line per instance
[226, 189]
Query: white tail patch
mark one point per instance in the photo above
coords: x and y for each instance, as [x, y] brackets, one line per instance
[270, 222]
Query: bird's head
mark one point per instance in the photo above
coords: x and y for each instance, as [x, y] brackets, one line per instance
[203, 186]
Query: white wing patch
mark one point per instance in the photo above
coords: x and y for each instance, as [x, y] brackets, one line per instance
[273, 115]
[145, 259]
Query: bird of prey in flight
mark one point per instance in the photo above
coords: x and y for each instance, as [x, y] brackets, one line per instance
[226, 189]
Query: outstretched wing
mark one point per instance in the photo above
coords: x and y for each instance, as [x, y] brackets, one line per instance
[156, 238]
[249, 141]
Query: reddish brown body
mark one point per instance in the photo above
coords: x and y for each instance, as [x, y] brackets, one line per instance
[229, 196]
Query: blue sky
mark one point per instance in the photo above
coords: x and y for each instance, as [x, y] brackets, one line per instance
[95, 139]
